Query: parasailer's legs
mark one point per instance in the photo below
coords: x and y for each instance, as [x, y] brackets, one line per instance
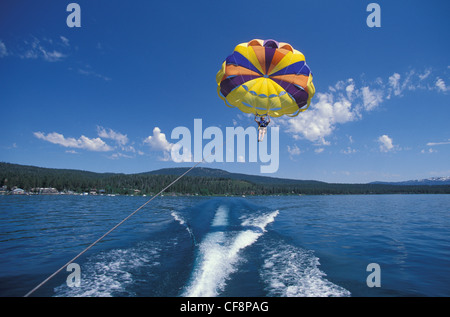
[262, 132]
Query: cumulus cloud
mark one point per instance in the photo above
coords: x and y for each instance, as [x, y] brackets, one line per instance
[371, 98]
[171, 151]
[321, 118]
[347, 101]
[95, 144]
[386, 144]
[158, 141]
[120, 138]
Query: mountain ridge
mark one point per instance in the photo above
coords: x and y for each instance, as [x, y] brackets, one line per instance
[220, 173]
[442, 180]
[214, 172]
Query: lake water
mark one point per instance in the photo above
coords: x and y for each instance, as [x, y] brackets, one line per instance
[227, 246]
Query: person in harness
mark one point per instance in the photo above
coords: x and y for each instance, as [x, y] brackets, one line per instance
[262, 126]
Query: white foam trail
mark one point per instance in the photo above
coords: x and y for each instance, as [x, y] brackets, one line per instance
[292, 272]
[180, 219]
[221, 217]
[177, 217]
[260, 221]
[108, 273]
[219, 253]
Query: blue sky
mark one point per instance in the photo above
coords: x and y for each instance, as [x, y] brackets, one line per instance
[89, 98]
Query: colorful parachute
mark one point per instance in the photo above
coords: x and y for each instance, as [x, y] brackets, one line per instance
[266, 77]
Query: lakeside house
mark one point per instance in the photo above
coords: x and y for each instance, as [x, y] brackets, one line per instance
[44, 191]
[18, 191]
[48, 191]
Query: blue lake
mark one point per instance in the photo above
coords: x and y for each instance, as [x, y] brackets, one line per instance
[227, 246]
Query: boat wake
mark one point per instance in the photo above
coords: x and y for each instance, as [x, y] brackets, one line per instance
[218, 248]
[219, 253]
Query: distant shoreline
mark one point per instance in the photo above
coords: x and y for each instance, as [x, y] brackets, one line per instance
[218, 195]
[18, 179]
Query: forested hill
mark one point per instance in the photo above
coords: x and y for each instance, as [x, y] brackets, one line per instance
[218, 173]
[201, 181]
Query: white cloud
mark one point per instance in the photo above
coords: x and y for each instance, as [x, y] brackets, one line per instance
[83, 142]
[394, 83]
[346, 102]
[39, 49]
[385, 143]
[425, 75]
[319, 150]
[371, 98]
[414, 81]
[320, 119]
[128, 148]
[64, 40]
[52, 56]
[185, 156]
[438, 143]
[87, 71]
[440, 84]
[293, 151]
[120, 138]
[158, 141]
[118, 155]
[3, 50]
[348, 150]
[350, 88]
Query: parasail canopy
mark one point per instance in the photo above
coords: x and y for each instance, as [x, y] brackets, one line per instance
[266, 77]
